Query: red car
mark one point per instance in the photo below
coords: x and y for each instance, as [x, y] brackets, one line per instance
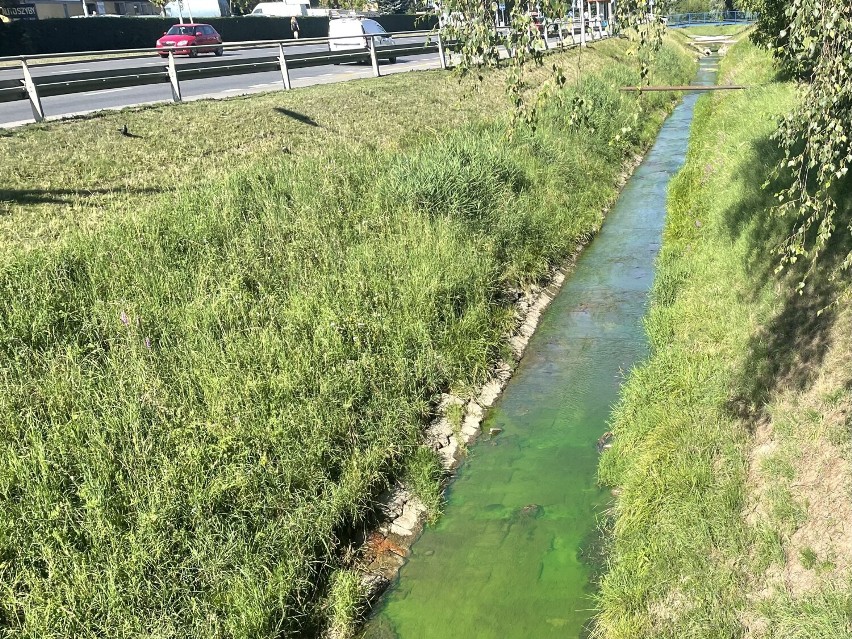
[186, 35]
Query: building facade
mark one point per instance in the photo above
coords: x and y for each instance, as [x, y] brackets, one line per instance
[43, 9]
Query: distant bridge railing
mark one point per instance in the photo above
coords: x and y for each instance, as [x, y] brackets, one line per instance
[710, 17]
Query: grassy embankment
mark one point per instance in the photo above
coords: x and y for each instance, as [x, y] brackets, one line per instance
[216, 351]
[82, 172]
[732, 443]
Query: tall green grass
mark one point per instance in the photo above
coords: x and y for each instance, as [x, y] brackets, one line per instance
[198, 399]
[683, 560]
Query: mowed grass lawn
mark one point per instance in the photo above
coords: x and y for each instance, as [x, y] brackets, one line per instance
[221, 338]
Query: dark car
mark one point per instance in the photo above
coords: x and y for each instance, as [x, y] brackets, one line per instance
[185, 35]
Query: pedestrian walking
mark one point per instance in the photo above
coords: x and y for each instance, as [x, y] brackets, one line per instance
[294, 27]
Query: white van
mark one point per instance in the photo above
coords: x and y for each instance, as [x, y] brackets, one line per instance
[197, 9]
[357, 28]
[281, 9]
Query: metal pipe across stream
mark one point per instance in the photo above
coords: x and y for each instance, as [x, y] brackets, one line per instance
[513, 555]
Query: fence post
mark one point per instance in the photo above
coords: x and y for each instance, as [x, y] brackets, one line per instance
[373, 57]
[441, 52]
[173, 78]
[285, 72]
[32, 93]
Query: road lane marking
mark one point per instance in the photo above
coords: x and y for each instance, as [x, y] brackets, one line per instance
[73, 70]
[103, 91]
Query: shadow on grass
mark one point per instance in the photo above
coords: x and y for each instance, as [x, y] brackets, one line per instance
[788, 350]
[752, 216]
[62, 196]
[299, 117]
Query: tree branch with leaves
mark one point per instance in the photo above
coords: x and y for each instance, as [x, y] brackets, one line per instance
[812, 41]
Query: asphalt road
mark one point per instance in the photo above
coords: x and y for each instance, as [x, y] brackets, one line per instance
[18, 113]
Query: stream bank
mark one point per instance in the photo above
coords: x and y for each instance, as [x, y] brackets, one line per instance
[733, 442]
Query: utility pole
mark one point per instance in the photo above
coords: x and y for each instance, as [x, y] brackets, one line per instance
[611, 17]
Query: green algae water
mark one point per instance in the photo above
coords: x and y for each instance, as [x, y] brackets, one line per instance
[513, 554]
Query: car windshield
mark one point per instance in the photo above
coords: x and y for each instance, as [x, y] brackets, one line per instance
[371, 26]
[181, 30]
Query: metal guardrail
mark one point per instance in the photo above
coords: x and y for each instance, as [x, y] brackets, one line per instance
[34, 88]
[711, 17]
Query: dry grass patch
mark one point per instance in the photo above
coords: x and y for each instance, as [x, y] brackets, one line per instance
[801, 466]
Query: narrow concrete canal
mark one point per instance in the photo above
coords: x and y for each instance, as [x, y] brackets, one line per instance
[513, 554]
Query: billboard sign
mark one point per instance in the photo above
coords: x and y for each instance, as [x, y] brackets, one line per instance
[20, 12]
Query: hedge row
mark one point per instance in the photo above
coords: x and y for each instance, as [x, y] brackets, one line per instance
[65, 35]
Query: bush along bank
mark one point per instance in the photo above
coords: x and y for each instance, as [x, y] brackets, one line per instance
[201, 402]
[731, 452]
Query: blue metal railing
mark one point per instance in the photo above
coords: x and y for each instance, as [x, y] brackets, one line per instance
[710, 17]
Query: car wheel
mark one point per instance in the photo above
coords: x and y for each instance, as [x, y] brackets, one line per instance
[219, 52]
[392, 60]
